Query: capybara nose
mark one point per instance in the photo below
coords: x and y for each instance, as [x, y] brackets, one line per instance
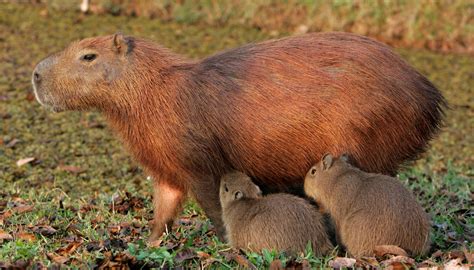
[36, 77]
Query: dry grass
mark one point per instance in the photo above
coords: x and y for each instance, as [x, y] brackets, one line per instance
[440, 25]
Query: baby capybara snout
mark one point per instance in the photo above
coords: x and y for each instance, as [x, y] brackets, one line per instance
[278, 221]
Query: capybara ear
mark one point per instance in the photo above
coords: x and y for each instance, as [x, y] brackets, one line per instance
[120, 43]
[238, 195]
[327, 161]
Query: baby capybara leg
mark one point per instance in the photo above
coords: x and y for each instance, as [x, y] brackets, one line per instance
[206, 193]
[167, 203]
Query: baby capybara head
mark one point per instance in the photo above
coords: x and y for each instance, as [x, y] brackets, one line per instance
[235, 186]
[324, 173]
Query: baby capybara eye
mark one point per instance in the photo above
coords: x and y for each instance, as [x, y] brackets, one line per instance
[313, 171]
[89, 57]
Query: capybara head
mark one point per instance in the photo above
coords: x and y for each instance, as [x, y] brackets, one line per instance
[235, 186]
[324, 173]
[81, 75]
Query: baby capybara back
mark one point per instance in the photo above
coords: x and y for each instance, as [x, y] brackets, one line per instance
[278, 221]
[368, 209]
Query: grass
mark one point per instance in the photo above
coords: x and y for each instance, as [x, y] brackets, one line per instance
[442, 25]
[96, 212]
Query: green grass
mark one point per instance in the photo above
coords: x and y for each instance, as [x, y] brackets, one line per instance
[100, 215]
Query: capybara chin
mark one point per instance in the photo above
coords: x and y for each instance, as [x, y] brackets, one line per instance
[280, 221]
[258, 109]
[368, 209]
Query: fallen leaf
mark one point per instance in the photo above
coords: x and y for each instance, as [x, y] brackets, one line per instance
[342, 262]
[24, 161]
[70, 248]
[56, 258]
[45, 230]
[22, 209]
[203, 255]
[469, 255]
[5, 236]
[155, 243]
[12, 143]
[242, 261]
[25, 236]
[455, 264]
[398, 262]
[383, 250]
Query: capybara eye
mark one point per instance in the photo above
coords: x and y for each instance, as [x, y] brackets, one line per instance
[89, 57]
[313, 171]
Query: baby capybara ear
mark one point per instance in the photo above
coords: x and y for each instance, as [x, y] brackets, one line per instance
[120, 43]
[327, 161]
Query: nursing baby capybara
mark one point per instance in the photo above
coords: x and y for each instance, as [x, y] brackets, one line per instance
[368, 209]
[258, 109]
[279, 221]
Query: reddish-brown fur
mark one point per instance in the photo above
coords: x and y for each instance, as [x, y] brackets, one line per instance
[270, 109]
[368, 209]
[277, 221]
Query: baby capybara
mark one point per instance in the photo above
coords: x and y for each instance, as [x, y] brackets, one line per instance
[257, 109]
[277, 221]
[368, 209]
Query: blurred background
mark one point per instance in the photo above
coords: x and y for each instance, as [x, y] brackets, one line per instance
[58, 169]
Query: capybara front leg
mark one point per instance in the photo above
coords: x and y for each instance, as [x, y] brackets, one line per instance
[167, 203]
[206, 193]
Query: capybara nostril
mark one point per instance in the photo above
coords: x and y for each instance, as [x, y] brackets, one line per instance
[36, 77]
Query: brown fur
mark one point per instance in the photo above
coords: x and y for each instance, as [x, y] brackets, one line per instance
[277, 221]
[258, 109]
[368, 209]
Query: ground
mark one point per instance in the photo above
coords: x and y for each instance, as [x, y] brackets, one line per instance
[81, 201]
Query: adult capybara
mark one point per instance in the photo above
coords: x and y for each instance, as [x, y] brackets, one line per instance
[277, 221]
[368, 209]
[270, 110]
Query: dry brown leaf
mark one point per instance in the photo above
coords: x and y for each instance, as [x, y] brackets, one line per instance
[45, 230]
[24, 161]
[12, 143]
[70, 248]
[57, 258]
[455, 264]
[22, 209]
[242, 261]
[155, 243]
[398, 262]
[342, 262]
[383, 250]
[469, 255]
[5, 236]
[25, 236]
[203, 255]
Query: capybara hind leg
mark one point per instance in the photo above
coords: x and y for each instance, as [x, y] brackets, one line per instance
[206, 193]
[167, 203]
